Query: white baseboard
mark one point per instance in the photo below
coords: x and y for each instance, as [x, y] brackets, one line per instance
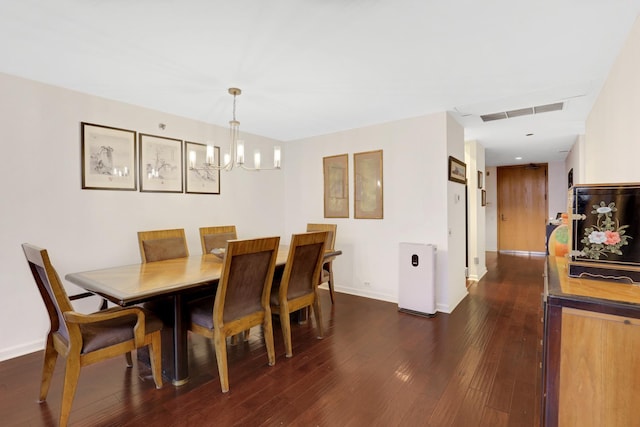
[367, 294]
[21, 350]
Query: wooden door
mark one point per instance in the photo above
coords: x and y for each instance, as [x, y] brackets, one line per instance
[522, 208]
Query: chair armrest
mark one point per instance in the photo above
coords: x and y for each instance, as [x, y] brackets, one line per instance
[138, 329]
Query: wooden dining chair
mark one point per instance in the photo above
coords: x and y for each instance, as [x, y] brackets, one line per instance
[158, 245]
[327, 267]
[298, 286]
[84, 339]
[216, 237]
[242, 299]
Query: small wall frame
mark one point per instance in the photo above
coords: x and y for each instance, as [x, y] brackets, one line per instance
[200, 165]
[336, 186]
[108, 158]
[457, 170]
[368, 188]
[160, 164]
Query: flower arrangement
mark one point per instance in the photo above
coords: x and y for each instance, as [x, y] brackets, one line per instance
[607, 236]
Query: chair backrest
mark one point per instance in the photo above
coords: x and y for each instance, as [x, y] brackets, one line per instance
[331, 233]
[158, 245]
[245, 281]
[53, 293]
[302, 271]
[216, 237]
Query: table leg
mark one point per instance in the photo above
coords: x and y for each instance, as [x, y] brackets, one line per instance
[180, 344]
[175, 351]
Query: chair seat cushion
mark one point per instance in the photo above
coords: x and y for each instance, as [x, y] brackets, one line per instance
[325, 276]
[114, 331]
[201, 312]
[161, 249]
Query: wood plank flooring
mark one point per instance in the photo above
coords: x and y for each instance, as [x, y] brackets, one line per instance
[478, 366]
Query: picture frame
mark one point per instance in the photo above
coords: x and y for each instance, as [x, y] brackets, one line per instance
[484, 198]
[335, 170]
[480, 179]
[161, 167]
[200, 164]
[108, 156]
[457, 170]
[368, 188]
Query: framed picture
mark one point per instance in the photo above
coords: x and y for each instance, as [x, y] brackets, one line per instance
[200, 162]
[457, 170]
[160, 164]
[336, 186]
[480, 180]
[484, 198]
[368, 192]
[108, 158]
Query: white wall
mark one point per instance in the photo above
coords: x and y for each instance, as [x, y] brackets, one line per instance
[611, 149]
[416, 203]
[491, 210]
[474, 157]
[88, 229]
[557, 188]
[575, 160]
[42, 202]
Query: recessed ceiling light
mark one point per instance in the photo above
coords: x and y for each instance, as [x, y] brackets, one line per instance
[518, 158]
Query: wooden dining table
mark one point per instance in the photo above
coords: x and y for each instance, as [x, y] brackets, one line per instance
[170, 282]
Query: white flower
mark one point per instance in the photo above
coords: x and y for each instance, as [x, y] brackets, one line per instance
[597, 237]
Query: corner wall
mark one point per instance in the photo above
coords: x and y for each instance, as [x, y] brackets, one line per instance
[418, 203]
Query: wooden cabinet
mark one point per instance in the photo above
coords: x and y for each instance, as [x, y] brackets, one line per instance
[591, 346]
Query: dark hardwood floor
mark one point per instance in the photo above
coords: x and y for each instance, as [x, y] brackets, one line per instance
[478, 366]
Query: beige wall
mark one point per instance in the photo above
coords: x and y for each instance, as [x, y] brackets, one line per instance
[612, 147]
[474, 157]
[42, 202]
[419, 203]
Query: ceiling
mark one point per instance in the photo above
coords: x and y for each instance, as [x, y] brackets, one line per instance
[311, 67]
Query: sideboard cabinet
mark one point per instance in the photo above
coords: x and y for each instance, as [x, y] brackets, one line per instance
[591, 351]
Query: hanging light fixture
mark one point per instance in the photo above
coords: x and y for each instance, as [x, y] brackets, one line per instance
[235, 157]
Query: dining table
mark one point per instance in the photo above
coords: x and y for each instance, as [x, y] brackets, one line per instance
[170, 283]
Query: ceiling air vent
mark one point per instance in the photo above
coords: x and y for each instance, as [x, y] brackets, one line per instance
[494, 116]
[522, 112]
[549, 107]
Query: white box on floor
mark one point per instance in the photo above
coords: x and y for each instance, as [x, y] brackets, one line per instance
[417, 281]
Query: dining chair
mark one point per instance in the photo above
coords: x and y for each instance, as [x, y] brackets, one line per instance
[158, 245]
[84, 339]
[216, 237]
[298, 286]
[242, 299]
[327, 267]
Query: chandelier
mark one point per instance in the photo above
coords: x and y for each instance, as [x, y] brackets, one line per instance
[235, 157]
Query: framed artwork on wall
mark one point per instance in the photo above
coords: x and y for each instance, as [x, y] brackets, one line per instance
[457, 170]
[160, 164]
[201, 175]
[108, 158]
[336, 186]
[368, 191]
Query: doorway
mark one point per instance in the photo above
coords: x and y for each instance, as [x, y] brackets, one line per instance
[522, 208]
